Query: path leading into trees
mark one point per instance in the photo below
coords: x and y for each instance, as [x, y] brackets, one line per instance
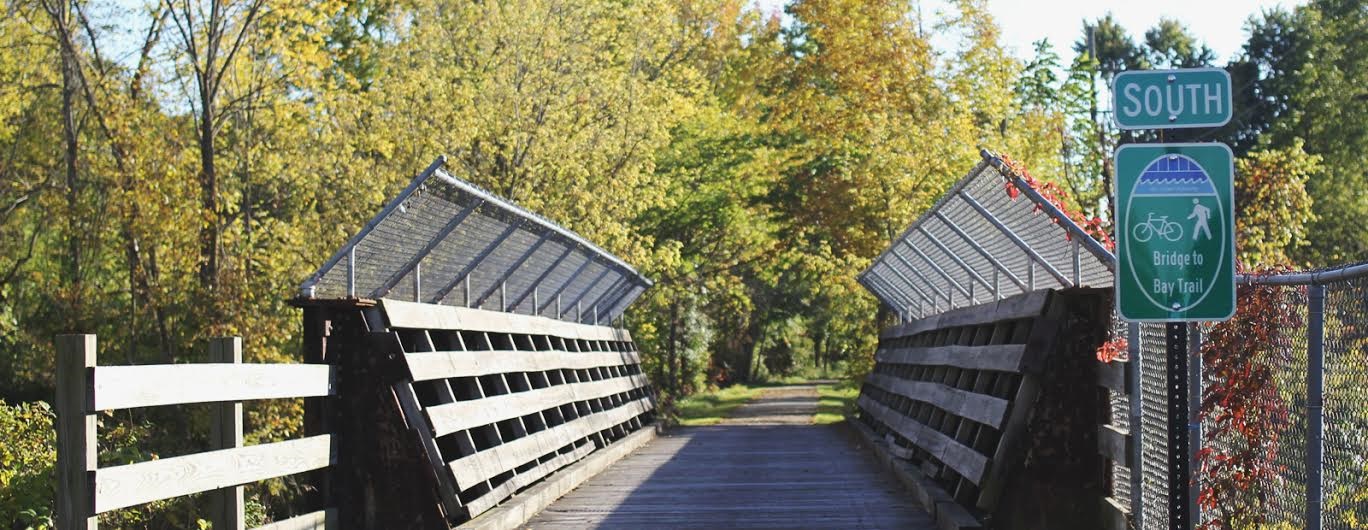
[766, 466]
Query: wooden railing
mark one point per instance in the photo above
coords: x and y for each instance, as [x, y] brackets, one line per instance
[84, 388]
[499, 401]
[951, 394]
[990, 413]
[1115, 443]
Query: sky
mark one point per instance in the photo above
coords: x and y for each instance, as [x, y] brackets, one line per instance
[1220, 23]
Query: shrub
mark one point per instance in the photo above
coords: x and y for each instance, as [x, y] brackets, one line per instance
[27, 460]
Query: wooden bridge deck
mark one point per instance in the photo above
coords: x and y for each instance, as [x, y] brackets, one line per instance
[765, 467]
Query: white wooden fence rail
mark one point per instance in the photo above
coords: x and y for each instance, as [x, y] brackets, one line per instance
[86, 490]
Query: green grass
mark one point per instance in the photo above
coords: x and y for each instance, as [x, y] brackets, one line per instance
[834, 402]
[708, 408]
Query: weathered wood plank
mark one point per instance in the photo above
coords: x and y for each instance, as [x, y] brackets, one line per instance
[927, 493]
[319, 520]
[133, 484]
[532, 501]
[1112, 376]
[526, 478]
[981, 408]
[765, 467]
[1012, 431]
[408, 405]
[462, 415]
[226, 507]
[76, 440]
[445, 365]
[122, 387]
[415, 315]
[997, 357]
[491, 462]
[1115, 443]
[952, 516]
[1023, 305]
[964, 460]
[1115, 514]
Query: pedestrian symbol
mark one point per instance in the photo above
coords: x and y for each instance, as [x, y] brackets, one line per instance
[1176, 232]
[1201, 214]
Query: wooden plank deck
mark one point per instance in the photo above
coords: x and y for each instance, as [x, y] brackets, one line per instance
[766, 467]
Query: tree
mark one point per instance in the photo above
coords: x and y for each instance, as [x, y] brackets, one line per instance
[1170, 45]
[1111, 45]
[1274, 207]
[212, 35]
[1038, 85]
[1328, 109]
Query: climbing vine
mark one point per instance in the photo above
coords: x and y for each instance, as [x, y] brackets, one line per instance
[1242, 408]
[1057, 196]
[1114, 348]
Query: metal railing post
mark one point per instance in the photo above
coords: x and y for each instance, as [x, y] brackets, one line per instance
[1315, 400]
[1077, 263]
[351, 272]
[1136, 396]
[417, 282]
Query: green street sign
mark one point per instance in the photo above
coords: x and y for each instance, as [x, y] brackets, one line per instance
[1175, 232]
[1171, 99]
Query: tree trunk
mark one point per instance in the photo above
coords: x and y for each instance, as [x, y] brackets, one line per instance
[673, 384]
[72, 267]
[209, 237]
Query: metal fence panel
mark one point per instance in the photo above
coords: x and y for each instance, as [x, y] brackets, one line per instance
[980, 242]
[980, 235]
[443, 240]
[1346, 404]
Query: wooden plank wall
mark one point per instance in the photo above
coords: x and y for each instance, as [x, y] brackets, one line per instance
[1115, 443]
[85, 388]
[950, 394]
[499, 401]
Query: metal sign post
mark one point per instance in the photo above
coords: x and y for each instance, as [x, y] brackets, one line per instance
[1175, 232]
[1180, 471]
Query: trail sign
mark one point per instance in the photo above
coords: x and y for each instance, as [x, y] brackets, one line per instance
[1175, 232]
[1169, 99]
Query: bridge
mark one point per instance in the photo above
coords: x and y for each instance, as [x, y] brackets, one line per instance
[466, 365]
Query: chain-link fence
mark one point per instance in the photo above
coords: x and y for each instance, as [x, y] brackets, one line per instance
[1331, 347]
[1345, 478]
[980, 243]
[444, 241]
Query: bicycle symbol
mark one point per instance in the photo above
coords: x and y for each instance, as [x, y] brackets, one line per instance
[1159, 226]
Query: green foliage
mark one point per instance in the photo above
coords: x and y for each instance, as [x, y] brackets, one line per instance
[750, 165]
[834, 402]
[27, 461]
[1274, 207]
[711, 407]
[1170, 45]
[1244, 408]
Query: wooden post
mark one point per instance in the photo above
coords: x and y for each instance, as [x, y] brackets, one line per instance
[226, 433]
[75, 433]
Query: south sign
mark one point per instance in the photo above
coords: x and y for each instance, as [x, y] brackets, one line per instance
[1168, 99]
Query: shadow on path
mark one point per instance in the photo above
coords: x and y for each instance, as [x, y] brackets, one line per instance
[766, 466]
